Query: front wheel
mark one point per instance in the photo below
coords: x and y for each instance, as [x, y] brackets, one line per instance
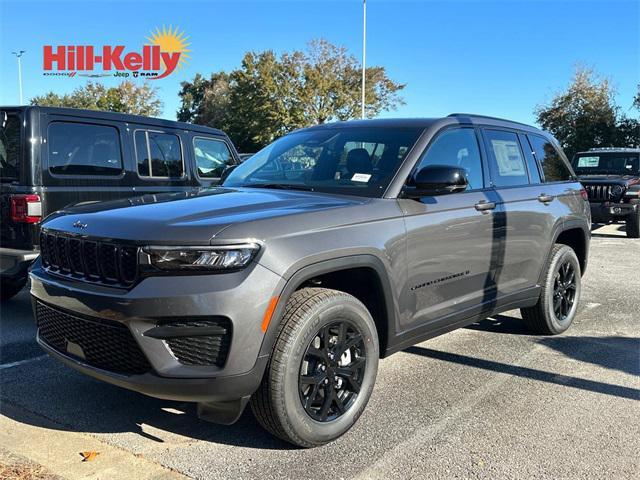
[633, 224]
[322, 369]
[558, 301]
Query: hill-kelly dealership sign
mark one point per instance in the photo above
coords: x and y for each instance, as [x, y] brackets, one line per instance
[165, 51]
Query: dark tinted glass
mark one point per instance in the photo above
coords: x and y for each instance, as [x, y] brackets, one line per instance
[457, 147]
[212, 157]
[142, 154]
[532, 164]
[553, 167]
[166, 157]
[9, 146]
[349, 160]
[613, 163]
[166, 154]
[83, 149]
[506, 161]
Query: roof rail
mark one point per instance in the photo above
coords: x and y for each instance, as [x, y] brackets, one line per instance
[488, 117]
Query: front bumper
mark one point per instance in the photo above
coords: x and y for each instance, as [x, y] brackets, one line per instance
[14, 264]
[242, 297]
[607, 212]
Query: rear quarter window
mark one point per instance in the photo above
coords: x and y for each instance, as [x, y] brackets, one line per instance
[84, 149]
[553, 166]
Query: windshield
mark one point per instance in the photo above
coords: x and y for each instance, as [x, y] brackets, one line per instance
[9, 146]
[350, 160]
[610, 163]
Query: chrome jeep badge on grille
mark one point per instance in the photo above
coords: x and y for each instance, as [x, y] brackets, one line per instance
[75, 350]
[79, 224]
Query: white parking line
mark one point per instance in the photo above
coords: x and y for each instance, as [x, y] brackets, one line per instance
[22, 362]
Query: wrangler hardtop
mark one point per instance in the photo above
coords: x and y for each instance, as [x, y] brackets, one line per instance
[52, 157]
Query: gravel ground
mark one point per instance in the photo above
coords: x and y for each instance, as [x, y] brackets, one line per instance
[488, 401]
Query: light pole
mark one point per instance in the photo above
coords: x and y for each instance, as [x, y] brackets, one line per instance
[364, 52]
[19, 54]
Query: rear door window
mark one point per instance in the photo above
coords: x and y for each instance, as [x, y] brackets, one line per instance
[158, 154]
[506, 161]
[553, 166]
[212, 157]
[84, 149]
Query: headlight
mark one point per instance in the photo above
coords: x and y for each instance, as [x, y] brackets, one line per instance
[226, 257]
[632, 193]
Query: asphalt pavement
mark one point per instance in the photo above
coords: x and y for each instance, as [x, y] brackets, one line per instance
[487, 401]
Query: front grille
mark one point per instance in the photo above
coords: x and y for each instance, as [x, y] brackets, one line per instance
[204, 350]
[89, 260]
[599, 193]
[105, 344]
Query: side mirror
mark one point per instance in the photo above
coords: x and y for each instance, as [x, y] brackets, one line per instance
[226, 172]
[437, 180]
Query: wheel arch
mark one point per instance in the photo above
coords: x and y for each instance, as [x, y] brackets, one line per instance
[575, 235]
[336, 273]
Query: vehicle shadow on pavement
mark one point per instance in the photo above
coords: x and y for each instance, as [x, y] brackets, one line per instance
[501, 324]
[614, 353]
[72, 402]
[603, 358]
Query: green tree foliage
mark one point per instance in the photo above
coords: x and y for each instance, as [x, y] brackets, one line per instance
[127, 97]
[585, 115]
[268, 96]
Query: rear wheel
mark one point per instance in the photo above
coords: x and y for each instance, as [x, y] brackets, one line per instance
[322, 370]
[633, 224]
[558, 301]
[10, 290]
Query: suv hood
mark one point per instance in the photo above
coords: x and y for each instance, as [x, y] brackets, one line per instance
[189, 217]
[625, 180]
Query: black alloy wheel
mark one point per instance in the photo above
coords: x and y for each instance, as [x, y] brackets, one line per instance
[564, 291]
[332, 370]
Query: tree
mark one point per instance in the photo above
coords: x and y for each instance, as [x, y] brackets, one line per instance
[127, 97]
[268, 96]
[585, 115]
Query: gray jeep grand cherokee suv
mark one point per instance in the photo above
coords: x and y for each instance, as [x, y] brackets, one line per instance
[332, 247]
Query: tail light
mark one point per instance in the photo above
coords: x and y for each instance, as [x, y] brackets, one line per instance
[26, 208]
[583, 192]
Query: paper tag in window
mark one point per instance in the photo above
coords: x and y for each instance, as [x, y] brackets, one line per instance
[360, 177]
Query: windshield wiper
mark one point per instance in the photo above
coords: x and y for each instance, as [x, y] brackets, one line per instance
[281, 186]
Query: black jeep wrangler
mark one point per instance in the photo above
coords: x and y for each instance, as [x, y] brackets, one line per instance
[611, 177]
[54, 157]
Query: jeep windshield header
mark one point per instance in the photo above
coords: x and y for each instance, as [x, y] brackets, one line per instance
[609, 163]
[350, 161]
[9, 146]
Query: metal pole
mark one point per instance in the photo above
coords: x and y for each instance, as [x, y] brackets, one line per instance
[364, 52]
[18, 55]
[20, 78]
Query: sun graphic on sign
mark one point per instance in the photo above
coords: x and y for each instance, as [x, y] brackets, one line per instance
[171, 40]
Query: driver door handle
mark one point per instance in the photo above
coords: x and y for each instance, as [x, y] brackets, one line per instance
[545, 198]
[484, 206]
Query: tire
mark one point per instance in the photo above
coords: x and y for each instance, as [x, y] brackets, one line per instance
[544, 317]
[10, 290]
[278, 402]
[633, 224]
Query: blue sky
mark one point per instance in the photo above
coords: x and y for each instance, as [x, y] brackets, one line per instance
[497, 58]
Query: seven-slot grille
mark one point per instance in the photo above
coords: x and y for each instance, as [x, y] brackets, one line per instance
[599, 193]
[101, 343]
[90, 260]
